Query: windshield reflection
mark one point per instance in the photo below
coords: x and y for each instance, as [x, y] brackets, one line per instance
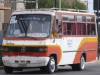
[36, 25]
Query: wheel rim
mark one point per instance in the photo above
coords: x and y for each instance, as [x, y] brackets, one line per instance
[52, 66]
[82, 63]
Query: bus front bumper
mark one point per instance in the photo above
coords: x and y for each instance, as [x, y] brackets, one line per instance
[24, 61]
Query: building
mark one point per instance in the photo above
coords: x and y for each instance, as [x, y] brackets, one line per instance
[2, 14]
[7, 13]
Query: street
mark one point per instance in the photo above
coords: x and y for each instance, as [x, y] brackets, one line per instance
[90, 69]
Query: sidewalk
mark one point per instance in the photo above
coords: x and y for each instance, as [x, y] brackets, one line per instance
[98, 60]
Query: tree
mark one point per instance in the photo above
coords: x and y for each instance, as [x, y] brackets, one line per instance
[47, 4]
[78, 5]
[50, 4]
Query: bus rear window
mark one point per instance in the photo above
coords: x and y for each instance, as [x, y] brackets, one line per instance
[91, 29]
[90, 19]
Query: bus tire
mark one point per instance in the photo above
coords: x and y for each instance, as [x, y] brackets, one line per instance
[8, 70]
[80, 66]
[50, 68]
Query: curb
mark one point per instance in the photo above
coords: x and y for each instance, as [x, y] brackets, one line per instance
[1, 67]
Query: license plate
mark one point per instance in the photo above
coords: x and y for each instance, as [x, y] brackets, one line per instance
[22, 65]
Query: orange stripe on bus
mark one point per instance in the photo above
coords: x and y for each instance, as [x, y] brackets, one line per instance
[90, 45]
[52, 49]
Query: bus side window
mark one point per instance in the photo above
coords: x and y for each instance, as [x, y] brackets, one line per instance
[73, 29]
[81, 29]
[69, 29]
[91, 29]
[58, 26]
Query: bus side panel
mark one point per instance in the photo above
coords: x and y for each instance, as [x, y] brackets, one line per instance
[55, 49]
[92, 49]
[89, 48]
[77, 57]
[70, 48]
[91, 55]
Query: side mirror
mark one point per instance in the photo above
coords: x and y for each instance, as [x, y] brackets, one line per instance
[4, 31]
[54, 33]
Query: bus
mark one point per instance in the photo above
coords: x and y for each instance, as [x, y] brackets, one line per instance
[47, 39]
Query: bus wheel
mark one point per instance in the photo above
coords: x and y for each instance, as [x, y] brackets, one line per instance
[79, 66]
[82, 64]
[8, 70]
[50, 68]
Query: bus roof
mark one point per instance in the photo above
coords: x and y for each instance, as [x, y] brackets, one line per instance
[50, 12]
[76, 12]
[33, 12]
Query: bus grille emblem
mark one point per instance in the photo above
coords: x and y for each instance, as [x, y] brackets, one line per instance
[23, 49]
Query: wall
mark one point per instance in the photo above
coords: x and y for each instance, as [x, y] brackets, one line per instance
[7, 13]
[1, 16]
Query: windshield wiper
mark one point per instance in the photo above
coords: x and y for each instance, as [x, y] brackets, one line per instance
[23, 27]
[20, 27]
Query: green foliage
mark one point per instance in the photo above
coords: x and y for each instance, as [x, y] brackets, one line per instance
[41, 4]
[47, 4]
[29, 5]
[51, 3]
[78, 5]
[64, 4]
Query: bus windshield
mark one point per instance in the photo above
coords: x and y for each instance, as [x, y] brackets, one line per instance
[29, 25]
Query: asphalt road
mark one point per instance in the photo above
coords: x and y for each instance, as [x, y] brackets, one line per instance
[90, 69]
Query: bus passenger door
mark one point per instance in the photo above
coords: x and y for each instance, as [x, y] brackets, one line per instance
[69, 42]
[58, 39]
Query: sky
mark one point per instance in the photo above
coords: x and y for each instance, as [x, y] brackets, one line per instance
[90, 5]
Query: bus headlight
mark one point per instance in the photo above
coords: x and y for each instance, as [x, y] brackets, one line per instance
[5, 49]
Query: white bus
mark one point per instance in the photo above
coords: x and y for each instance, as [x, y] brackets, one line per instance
[48, 39]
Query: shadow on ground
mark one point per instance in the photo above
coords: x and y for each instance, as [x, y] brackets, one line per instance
[40, 72]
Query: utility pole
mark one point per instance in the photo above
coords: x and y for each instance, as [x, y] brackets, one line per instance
[36, 4]
[87, 5]
[76, 4]
[55, 3]
[98, 25]
[60, 4]
[13, 5]
[98, 13]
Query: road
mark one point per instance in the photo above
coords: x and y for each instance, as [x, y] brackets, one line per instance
[90, 69]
